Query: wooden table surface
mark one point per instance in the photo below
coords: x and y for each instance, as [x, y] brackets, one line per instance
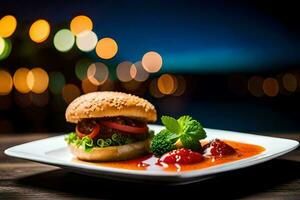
[19, 179]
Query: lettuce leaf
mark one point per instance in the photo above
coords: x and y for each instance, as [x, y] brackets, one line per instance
[116, 139]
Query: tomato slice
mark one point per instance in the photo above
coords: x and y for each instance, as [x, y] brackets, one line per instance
[125, 128]
[95, 132]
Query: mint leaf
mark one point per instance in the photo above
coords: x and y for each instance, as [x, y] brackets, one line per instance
[183, 120]
[191, 127]
[191, 132]
[171, 124]
[195, 130]
[187, 129]
[190, 142]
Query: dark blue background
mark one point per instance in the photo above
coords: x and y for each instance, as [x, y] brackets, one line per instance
[206, 41]
[201, 36]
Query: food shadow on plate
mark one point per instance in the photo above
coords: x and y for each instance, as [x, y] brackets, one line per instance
[235, 184]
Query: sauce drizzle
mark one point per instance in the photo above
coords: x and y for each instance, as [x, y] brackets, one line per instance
[150, 162]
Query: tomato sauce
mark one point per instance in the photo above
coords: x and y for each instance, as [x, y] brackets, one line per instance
[181, 156]
[151, 163]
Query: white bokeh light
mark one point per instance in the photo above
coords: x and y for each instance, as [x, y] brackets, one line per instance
[86, 40]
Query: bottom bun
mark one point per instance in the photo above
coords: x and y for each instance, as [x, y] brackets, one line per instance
[113, 153]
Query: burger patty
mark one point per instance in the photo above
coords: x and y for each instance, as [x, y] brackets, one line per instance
[86, 126]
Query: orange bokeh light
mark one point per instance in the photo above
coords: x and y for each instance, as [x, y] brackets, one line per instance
[37, 80]
[166, 84]
[81, 23]
[8, 25]
[152, 62]
[20, 80]
[39, 31]
[6, 83]
[271, 87]
[106, 48]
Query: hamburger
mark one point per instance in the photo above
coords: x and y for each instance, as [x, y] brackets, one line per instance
[110, 126]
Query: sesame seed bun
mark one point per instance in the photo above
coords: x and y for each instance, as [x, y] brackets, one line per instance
[113, 153]
[110, 104]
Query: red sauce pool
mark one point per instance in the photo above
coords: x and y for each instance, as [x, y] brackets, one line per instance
[149, 162]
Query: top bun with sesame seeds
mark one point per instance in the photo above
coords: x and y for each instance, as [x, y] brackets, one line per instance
[110, 104]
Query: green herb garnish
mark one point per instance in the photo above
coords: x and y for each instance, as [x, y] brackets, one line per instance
[183, 132]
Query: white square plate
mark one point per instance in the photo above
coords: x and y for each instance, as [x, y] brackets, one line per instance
[54, 151]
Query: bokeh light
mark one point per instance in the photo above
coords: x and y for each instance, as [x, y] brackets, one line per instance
[97, 73]
[2, 45]
[290, 82]
[64, 40]
[20, 80]
[255, 86]
[153, 89]
[56, 82]
[6, 82]
[123, 71]
[180, 86]
[106, 48]
[8, 25]
[133, 71]
[70, 92]
[138, 73]
[87, 86]
[39, 31]
[81, 68]
[175, 81]
[37, 80]
[166, 84]
[271, 87]
[86, 41]
[152, 62]
[5, 48]
[81, 23]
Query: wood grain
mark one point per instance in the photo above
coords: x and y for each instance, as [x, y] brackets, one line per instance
[276, 179]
